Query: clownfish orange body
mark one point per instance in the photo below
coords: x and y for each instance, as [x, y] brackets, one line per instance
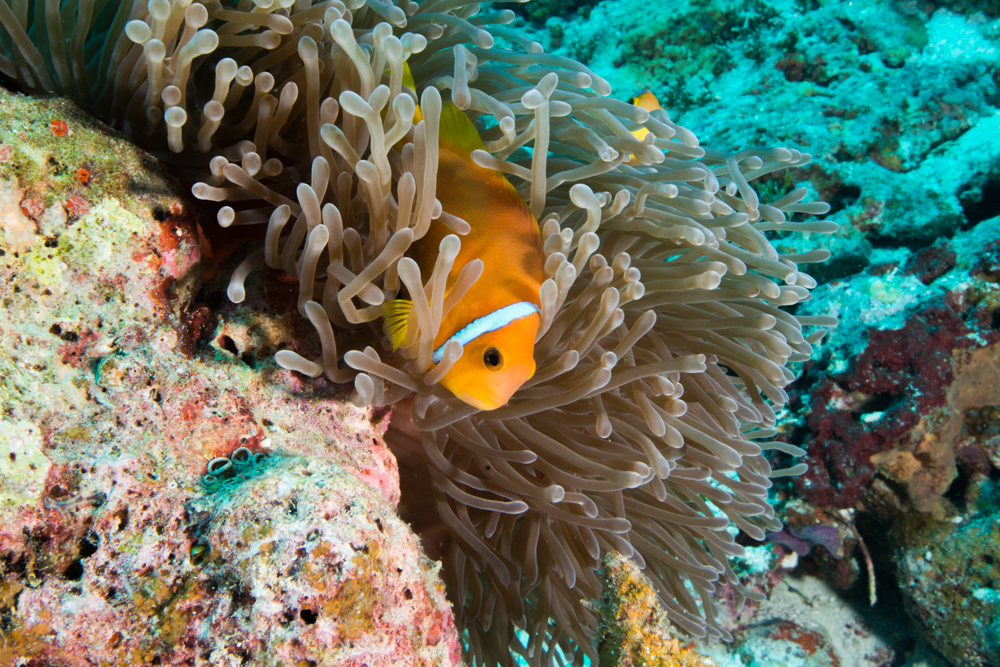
[498, 318]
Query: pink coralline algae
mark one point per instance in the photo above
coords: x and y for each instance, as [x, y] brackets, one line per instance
[120, 394]
[873, 406]
[930, 264]
[988, 266]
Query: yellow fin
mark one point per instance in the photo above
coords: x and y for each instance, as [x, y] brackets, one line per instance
[408, 77]
[408, 81]
[394, 316]
[458, 130]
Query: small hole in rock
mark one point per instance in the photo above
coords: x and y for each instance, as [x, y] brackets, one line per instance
[229, 345]
[75, 571]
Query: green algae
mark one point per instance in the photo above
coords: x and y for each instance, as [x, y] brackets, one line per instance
[23, 464]
[674, 50]
[51, 163]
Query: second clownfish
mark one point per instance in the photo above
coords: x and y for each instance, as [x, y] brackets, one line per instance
[644, 99]
[497, 320]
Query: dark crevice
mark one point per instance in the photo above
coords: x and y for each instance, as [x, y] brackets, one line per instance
[212, 298]
[981, 205]
[875, 403]
[844, 197]
[75, 571]
[799, 436]
[837, 268]
[88, 547]
[912, 244]
[958, 488]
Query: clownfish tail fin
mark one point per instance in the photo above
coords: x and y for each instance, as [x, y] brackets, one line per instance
[394, 316]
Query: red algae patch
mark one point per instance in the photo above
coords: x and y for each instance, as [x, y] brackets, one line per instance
[59, 127]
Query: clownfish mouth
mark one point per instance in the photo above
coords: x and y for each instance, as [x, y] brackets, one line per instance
[482, 396]
[490, 397]
[485, 402]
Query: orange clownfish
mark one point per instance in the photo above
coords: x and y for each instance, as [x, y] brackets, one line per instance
[497, 319]
[647, 100]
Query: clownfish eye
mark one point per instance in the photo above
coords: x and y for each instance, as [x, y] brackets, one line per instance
[493, 359]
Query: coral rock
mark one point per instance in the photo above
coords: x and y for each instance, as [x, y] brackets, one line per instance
[634, 630]
[120, 393]
[949, 575]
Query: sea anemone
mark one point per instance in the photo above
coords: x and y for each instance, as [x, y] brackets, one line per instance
[662, 350]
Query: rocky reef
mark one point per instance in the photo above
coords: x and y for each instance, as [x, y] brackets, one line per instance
[170, 496]
[898, 408]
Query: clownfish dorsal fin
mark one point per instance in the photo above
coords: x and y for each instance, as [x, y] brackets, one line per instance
[458, 130]
[634, 99]
[411, 84]
[455, 126]
[408, 77]
[394, 316]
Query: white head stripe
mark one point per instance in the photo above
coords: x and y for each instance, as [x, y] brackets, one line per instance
[498, 318]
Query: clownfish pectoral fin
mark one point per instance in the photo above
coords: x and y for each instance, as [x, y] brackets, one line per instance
[394, 316]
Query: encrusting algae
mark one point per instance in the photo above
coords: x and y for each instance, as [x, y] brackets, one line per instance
[632, 630]
[661, 347]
